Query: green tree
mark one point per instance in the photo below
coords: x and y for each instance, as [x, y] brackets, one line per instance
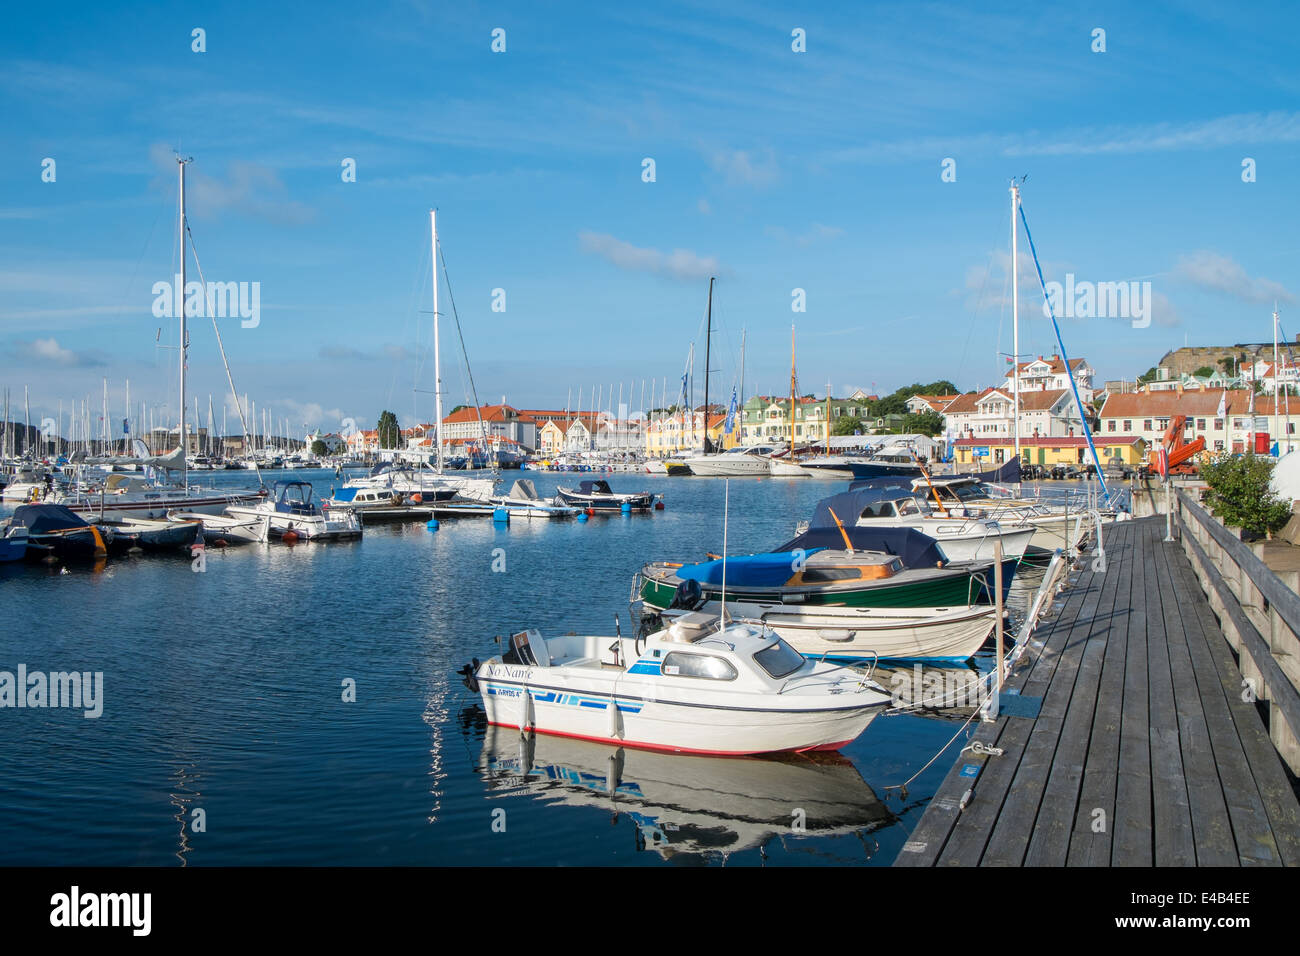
[1150, 375]
[1203, 372]
[896, 403]
[1240, 495]
[849, 424]
[389, 432]
[925, 423]
[319, 449]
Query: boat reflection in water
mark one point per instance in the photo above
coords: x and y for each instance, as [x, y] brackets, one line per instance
[690, 804]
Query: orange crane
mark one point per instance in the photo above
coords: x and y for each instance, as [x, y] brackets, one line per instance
[1180, 453]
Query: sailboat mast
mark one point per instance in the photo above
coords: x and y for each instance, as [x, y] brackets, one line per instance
[437, 356]
[793, 387]
[180, 297]
[1015, 319]
[708, 345]
[1277, 380]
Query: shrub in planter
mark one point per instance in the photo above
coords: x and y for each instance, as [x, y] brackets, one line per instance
[1239, 493]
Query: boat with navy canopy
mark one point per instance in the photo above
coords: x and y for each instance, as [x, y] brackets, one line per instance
[694, 688]
[830, 567]
[595, 494]
[289, 508]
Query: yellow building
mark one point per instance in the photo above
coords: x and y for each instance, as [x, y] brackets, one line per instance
[1073, 450]
[679, 435]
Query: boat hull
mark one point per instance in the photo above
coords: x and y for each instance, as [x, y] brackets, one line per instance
[852, 634]
[643, 714]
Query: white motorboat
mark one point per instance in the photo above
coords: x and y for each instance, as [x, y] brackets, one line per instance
[962, 537]
[524, 502]
[690, 688]
[784, 468]
[289, 509]
[226, 529]
[866, 633]
[751, 461]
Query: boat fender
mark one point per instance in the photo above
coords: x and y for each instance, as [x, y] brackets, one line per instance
[582, 516]
[626, 508]
[417, 499]
[289, 537]
[528, 720]
[611, 709]
[432, 524]
[659, 506]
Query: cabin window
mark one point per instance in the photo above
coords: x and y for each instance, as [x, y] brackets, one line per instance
[907, 507]
[779, 660]
[814, 575]
[698, 665]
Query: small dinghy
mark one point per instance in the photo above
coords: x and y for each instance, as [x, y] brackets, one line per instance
[13, 543]
[54, 531]
[596, 495]
[147, 534]
[691, 688]
[525, 502]
[225, 529]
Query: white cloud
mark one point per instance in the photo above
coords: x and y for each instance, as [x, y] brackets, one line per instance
[49, 352]
[249, 188]
[1217, 273]
[678, 264]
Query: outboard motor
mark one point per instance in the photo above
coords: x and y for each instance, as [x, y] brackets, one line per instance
[689, 595]
[469, 672]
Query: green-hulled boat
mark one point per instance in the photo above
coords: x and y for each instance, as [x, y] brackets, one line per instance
[820, 577]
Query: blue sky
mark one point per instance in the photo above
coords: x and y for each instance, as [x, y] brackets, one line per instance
[774, 170]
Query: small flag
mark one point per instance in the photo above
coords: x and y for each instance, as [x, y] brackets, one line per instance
[1223, 405]
[730, 426]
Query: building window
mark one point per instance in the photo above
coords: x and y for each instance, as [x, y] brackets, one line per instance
[1146, 425]
[1218, 424]
[1128, 425]
[1200, 423]
[1110, 425]
[1218, 445]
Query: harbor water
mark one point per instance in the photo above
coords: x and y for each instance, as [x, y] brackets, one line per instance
[229, 733]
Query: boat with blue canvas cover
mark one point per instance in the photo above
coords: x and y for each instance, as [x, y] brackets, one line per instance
[596, 495]
[56, 531]
[962, 537]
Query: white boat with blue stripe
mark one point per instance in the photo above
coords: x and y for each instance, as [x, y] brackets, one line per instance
[695, 687]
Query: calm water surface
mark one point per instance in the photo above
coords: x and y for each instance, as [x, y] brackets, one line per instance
[223, 692]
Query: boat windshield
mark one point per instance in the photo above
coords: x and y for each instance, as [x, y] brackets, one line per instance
[779, 659]
[907, 506]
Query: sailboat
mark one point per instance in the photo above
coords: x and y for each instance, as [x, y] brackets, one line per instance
[120, 497]
[423, 481]
[738, 462]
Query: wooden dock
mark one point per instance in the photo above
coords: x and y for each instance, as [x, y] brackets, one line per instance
[1137, 746]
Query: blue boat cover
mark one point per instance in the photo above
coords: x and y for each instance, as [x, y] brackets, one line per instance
[1008, 474]
[38, 519]
[849, 504]
[345, 494]
[746, 570]
[916, 548]
[594, 487]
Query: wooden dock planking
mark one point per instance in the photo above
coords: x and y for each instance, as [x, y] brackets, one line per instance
[1090, 841]
[1141, 718]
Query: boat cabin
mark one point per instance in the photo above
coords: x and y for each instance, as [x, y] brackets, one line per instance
[293, 497]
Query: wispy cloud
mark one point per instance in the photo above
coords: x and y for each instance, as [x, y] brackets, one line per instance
[678, 264]
[741, 167]
[1237, 130]
[249, 188]
[817, 231]
[1218, 273]
[349, 353]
